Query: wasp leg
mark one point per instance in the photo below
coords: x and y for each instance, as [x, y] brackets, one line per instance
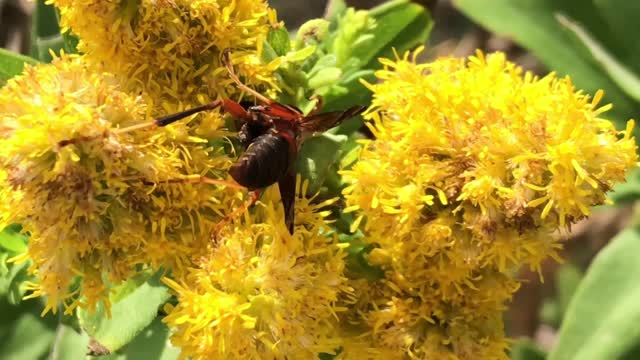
[253, 197]
[287, 187]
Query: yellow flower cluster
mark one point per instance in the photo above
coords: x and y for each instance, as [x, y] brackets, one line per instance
[96, 201]
[101, 203]
[262, 293]
[172, 49]
[474, 165]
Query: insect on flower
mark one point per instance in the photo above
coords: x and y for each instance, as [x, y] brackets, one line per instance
[271, 134]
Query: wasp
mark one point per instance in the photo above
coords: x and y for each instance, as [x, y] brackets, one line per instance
[271, 134]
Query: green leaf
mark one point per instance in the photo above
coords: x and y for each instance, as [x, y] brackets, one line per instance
[348, 154]
[325, 77]
[533, 24]
[12, 64]
[68, 344]
[11, 239]
[326, 61]
[151, 343]
[12, 280]
[352, 37]
[629, 190]
[268, 53]
[24, 334]
[568, 279]
[357, 265]
[312, 32]
[129, 316]
[300, 55]
[353, 93]
[4, 269]
[549, 312]
[525, 349]
[603, 316]
[43, 46]
[621, 17]
[13, 275]
[316, 158]
[335, 8]
[400, 25]
[358, 40]
[624, 77]
[17, 286]
[45, 32]
[351, 150]
[45, 20]
[279, 40]
[70, 43]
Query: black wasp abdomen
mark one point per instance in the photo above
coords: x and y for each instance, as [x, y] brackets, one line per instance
[264, 162]
[251, 130]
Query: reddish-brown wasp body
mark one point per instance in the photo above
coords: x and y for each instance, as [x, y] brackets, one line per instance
[271, 134]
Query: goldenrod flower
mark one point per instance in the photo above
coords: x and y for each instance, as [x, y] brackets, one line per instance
[97, 202]
[474, 165]
[172, 49]
[262, 293]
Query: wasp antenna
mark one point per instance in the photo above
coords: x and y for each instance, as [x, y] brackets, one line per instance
[166, 120]
[159, 122]
[232, 74]
[169, 119]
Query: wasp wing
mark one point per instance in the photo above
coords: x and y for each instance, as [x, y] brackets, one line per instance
[325, 121]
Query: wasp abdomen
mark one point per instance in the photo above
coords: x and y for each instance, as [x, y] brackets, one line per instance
[264, 162]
